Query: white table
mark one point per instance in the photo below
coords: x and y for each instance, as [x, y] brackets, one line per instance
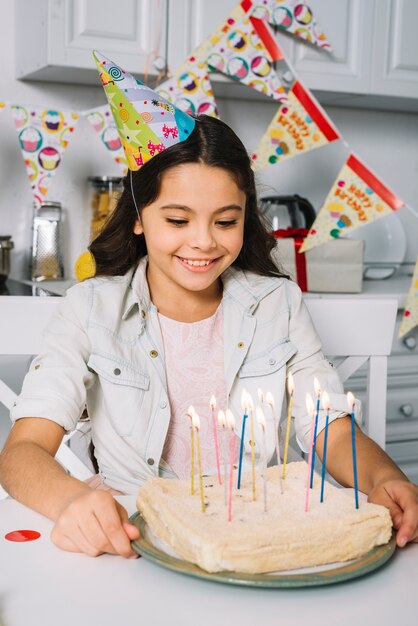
[41, 585]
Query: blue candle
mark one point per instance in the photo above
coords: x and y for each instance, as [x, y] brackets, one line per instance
[241, 448]
[351, 400]
[326, 405]
[318, 396]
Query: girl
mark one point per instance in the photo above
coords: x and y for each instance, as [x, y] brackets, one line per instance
[186, 303]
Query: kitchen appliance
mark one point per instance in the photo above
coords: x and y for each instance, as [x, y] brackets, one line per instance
[47, 263]
[6, 244]
[284, 212]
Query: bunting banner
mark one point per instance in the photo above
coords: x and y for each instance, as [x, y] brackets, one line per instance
[357, 197]
[190, 89]
[101, 119]
[299, 125]
[44, 135]
[245, 49]
[294, 17]
[410, 315]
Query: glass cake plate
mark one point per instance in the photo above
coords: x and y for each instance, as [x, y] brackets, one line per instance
[155, 550]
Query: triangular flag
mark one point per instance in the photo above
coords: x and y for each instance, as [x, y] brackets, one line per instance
[101, 119]
[190, 89]
[246, 52]
[146, 122]
[357, 197]
[43, 137]
[295, 17]
[410, 315]
[299, 125]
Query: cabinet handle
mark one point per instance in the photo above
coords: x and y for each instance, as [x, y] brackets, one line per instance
[410, 342]
[407, 410]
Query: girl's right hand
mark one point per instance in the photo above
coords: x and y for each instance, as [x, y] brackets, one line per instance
[95, 523]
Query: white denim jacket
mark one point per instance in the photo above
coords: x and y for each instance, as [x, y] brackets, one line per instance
[103, 348]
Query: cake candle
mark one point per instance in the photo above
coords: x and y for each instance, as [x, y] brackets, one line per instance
[351, 404]
[326, 404]
[231, 425]
[318, 402]
[262, 424]
[252, 444]
[189, 414]
[290, 390]
[310, 407]
[212, 405]
[196, 426]
[270, 402]
[224, 452]
[241, 448]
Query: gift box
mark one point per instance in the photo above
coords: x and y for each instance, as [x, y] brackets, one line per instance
[333, 267]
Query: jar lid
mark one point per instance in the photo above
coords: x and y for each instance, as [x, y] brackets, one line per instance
[50, 203]
[104, 181]
[5, 241]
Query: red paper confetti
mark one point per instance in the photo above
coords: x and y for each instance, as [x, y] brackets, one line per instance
[22, 535]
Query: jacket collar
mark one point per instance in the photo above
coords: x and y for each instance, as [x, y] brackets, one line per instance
[246, 289]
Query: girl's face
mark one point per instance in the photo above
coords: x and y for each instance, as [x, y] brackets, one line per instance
[193, 230]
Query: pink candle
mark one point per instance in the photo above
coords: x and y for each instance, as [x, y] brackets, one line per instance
[231, 424]
[310, 407]
[224, 452]
[215, 436]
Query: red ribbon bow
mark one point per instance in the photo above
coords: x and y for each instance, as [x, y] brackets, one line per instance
[298, 235]
[152, 147]
[174, 132]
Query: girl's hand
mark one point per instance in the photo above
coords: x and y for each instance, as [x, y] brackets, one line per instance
[401, 498]
[95, 523]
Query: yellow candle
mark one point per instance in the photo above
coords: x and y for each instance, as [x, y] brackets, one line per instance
[196, 427]
[290, 388]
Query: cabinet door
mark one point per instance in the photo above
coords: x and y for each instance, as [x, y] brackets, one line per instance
[61, 34]
[348, 25]
[395, 59]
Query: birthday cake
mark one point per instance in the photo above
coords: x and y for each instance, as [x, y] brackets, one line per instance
[283, 537]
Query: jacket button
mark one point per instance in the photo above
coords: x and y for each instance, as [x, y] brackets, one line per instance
[143, 313]
[241, 344]
[150, 461]
[272, 361]
[163, 404]
[153, 354]
[37, 366]
[116, 371]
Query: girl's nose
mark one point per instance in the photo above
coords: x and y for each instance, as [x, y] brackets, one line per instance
[203, 238]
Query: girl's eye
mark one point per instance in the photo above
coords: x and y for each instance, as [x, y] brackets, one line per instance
[176, 222]
[226, 223]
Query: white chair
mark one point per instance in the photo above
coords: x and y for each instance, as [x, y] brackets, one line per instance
[360, 330]
[22, 321]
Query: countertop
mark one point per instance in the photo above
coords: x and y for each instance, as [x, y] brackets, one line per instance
[396, 286]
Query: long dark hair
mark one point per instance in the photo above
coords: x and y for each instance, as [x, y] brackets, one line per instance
[117, 249]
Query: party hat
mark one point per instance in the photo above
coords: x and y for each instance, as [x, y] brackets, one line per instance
[146, 122]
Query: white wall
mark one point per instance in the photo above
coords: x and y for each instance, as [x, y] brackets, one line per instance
[386, 141]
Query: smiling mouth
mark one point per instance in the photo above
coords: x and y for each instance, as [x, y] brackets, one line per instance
[197, 264]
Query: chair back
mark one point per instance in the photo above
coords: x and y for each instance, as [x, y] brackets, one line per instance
[22, 321]
[361, 331]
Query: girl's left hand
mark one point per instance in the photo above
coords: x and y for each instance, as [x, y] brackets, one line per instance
[401, 498]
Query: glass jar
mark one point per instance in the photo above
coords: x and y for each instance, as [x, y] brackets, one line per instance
[104, 194]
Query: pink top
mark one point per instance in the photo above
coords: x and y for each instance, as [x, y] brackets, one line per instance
[194, 358]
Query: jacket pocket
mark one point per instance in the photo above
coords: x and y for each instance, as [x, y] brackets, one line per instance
[120, 390]
[268, 361]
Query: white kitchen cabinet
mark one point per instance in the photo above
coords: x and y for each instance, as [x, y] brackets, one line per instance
[395, 61]
[59, 36]
[374, 60]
